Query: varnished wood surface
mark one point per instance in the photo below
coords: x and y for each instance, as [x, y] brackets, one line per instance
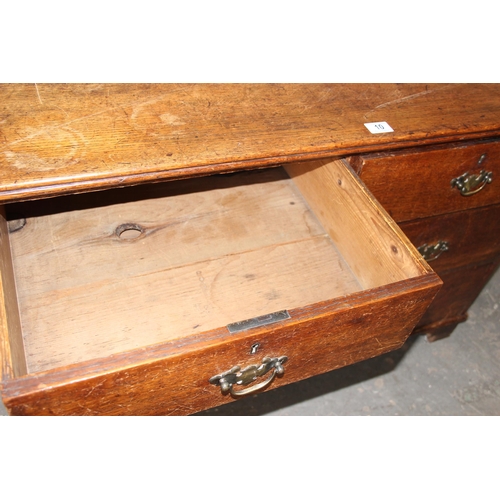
[461, 286]
[471, 236]
[58, 139]
[172, 378]
[414, 186]
[416, 183]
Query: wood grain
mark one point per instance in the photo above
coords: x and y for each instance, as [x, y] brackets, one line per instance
[414, 187]
[13, 363]
[461, 286]
[211, 253]
[178, 223]
[172, 378]
[372, 245]
[59, 138]
[412, 184]
[471, 235]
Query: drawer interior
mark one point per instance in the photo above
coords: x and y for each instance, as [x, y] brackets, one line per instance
[102, 273]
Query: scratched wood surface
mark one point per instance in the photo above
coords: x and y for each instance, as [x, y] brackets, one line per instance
[66, 138]
[172, 378]
[220, 250]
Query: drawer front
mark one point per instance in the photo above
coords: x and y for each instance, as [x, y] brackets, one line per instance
[420, 183]
[174, 379]
[457, 239]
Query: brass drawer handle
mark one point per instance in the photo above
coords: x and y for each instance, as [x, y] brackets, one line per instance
[432, 252]
[469, 184]
[237, 376]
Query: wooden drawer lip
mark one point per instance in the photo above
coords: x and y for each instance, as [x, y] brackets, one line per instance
[427, 189]
[471, 235]
[26, 395]
[62, 186]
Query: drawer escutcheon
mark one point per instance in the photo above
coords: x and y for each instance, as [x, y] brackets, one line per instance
[237, 376]
[266, 319]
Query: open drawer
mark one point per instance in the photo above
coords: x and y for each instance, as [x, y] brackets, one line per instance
[176, 297]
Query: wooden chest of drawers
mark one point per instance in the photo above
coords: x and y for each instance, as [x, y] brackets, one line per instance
[169, 298]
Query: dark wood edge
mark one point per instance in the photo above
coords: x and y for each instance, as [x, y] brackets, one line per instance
[357, 161]
[39, 382]
[59, 187]
[423, 329]
[441, 333]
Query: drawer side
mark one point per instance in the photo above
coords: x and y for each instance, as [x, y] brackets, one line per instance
[11, 339]
[372, 244]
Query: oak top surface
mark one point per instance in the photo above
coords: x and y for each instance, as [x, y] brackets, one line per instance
[63, 138]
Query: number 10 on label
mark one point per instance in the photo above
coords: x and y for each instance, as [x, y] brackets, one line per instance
[379, 127]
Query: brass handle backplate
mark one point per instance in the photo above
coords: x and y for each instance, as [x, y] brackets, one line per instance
[238, 377]
[432, 252]
[469, 184]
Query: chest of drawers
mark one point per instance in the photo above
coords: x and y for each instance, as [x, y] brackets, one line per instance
[172, 297]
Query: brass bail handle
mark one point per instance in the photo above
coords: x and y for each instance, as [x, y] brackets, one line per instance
[433, 251]
[469, 184]
[238, 377]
